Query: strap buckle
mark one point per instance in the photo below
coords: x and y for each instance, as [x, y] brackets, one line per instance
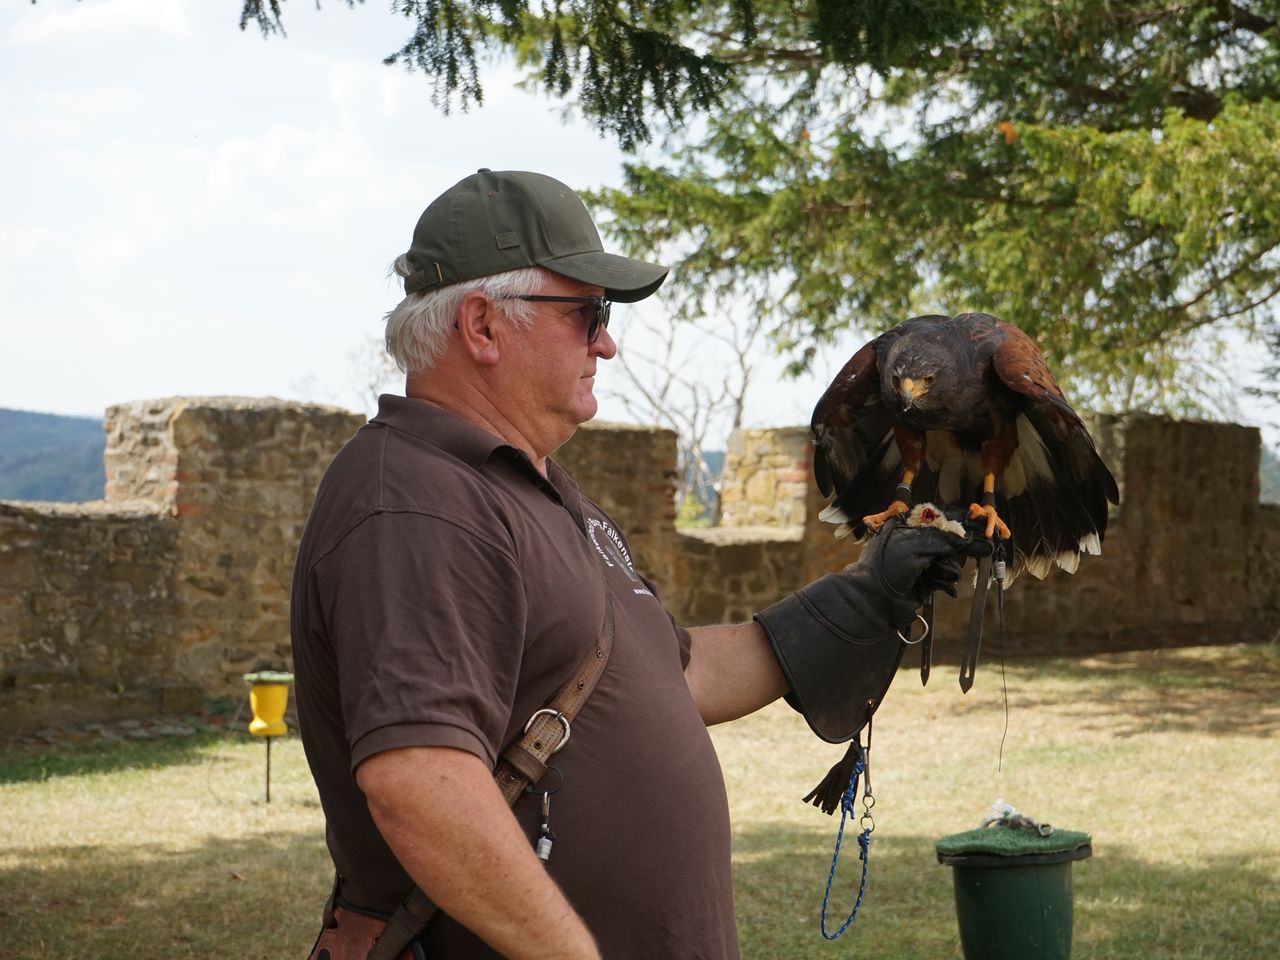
[556, 714]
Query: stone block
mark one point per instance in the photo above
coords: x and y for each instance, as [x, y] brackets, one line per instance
[179, 699]
[762, 488]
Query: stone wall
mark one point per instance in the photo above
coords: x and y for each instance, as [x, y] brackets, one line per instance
[246, 473]
[175, 584]
[725, 574]
[767, 485]
[631, 472]
[85, 590]
[765, 478]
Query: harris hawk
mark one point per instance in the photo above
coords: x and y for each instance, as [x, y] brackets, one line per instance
[956, 409]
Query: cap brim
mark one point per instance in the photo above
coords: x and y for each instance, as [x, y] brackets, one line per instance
[624, 280]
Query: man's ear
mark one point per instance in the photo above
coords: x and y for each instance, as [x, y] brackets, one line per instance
[475, 319]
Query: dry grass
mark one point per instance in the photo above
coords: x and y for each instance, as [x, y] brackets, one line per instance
[1170, 759]
[165, 851]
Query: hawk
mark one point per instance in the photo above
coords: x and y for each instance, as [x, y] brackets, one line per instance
[962, 409]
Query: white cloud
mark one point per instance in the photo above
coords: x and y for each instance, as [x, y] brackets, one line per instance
[56, 24]
[22, 241]
[66, 113]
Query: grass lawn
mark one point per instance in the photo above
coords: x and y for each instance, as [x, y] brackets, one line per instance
[1170, 759]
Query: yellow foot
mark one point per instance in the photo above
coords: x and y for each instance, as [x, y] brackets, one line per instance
[876, 520]
[994, 522]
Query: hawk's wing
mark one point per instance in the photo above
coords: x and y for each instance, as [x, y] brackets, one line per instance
[849, 422]
[854, 454]
[1057, 487]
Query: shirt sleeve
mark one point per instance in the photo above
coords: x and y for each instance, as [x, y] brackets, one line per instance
[427, 621]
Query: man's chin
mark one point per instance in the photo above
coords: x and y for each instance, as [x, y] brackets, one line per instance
[586, 406]
[587, 411]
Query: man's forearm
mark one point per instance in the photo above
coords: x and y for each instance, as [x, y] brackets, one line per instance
[732, 671]
[450, 827]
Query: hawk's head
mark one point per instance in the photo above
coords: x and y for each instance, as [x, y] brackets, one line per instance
[922, 374]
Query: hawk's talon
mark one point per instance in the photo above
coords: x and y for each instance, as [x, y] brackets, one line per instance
[877, 520]
[994, 522]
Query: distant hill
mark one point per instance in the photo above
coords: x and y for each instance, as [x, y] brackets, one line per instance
[44, 456]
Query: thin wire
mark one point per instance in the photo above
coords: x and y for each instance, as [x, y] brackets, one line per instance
[1004, 684]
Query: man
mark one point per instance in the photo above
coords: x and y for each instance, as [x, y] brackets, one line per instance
[448, 583]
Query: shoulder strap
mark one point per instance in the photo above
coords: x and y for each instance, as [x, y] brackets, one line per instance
[522, 763]
[548, 730]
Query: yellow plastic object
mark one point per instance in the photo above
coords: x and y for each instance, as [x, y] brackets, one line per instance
[268, 702]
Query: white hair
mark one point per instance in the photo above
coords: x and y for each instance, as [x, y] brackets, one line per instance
[418, 326]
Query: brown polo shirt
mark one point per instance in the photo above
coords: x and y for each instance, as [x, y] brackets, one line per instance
[443, 590]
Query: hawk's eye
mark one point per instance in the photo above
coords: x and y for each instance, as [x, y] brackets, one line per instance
[928, 378]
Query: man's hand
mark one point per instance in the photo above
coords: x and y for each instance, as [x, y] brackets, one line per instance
[912, 562]
[444, 818]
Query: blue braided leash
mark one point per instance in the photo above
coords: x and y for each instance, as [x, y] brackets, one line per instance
[864, 842]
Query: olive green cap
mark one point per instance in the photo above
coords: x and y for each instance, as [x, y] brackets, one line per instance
[492, 222]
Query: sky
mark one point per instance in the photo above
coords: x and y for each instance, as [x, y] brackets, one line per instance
[188, 209]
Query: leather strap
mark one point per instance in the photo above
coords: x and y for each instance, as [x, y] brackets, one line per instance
[523, 762]
[969, 665]
[926, 644]
[408, 920]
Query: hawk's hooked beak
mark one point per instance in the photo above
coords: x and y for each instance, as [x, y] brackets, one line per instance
[911, 390]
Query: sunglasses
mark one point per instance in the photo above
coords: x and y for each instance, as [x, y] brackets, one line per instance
[599, 316]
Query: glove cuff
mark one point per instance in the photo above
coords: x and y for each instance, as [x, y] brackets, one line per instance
[837, 678]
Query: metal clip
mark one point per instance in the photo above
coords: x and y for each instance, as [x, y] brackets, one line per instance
[999, 568]
[543, 847]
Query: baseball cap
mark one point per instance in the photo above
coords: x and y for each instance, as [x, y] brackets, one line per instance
[494, 221]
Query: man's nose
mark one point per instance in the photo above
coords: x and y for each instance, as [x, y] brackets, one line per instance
[605, 347]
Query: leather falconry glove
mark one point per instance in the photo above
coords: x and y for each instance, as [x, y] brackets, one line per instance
[839, 640]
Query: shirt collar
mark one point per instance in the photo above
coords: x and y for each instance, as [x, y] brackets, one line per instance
[438, 427]
[468, 442]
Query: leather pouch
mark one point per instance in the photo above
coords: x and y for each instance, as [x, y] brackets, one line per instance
[352, 938]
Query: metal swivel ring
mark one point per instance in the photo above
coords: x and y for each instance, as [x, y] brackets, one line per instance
[918, 639]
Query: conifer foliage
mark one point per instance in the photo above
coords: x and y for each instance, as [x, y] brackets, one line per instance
[1104, 175]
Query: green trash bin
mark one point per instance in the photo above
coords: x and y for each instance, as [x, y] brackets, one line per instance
[1013, 889]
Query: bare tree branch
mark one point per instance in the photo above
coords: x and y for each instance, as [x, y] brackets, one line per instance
[668, 384]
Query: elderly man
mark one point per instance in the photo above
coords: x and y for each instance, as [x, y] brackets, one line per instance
[452, 578]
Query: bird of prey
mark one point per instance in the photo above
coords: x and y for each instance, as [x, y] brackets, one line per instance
[962, 409]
